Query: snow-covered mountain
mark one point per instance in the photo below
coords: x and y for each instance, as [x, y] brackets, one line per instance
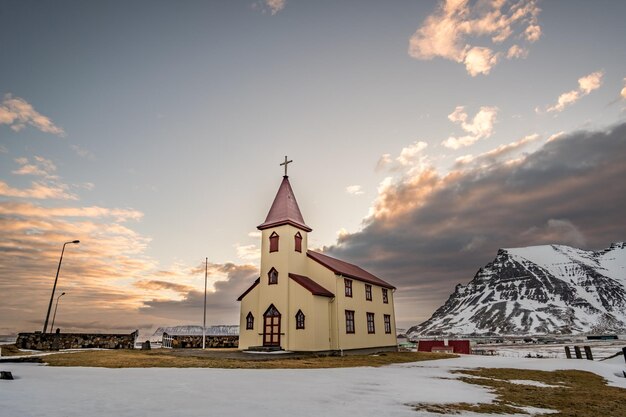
[551, 289]
[191, 330]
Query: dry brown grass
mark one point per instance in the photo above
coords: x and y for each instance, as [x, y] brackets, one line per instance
[163, 358]
[574, 394]
[12, 350]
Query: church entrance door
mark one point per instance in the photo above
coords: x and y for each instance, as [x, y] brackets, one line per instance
[271, 327]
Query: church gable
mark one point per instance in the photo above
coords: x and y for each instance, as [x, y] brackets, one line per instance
[347, 269]
[313, 287]
[299, 304]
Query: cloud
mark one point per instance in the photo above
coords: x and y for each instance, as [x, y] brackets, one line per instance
[17, 113]
[354, 189]
[586, 85]
[83, 153]
[111, 282]
[456, 24]
[271, 6]
[480, 60]
[3, 149]
[480, 127]
[383, 162]
[14, 208]
[623, 92]
[410, 154]
[516, 51]
[38, 190]
[41, 167]
[163, 285]
[556, 230]
[248, 252]
[428, 231]
[276, 5]
[492, 156]
[222, 305]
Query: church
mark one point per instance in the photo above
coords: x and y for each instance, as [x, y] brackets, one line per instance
[308, 301]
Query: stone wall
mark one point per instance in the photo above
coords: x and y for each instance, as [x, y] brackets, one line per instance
[56, 341]
[196, 341]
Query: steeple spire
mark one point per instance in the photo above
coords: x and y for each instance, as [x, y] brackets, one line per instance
[285, 208]
[285, 164]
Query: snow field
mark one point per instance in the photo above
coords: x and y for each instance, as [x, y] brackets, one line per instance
[386, 391]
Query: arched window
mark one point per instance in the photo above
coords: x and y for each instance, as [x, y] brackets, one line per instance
[274, 242]
[249, 321]
[272, 276]
[299, 320]
[298, 241]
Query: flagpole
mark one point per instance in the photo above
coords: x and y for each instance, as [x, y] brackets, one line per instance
[206, 270]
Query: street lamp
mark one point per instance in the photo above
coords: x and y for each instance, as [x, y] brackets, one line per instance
[54, 316]
[45, 326]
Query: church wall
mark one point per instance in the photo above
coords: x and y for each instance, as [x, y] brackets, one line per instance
[327, 279]
[249, 303]
[358, 303]
[286, 260]
[315, 335]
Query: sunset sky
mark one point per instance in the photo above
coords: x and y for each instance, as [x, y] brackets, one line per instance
[425, 135]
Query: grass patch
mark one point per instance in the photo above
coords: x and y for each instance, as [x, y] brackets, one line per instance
[12, 350]
[574, 394]
[165, 358]
[176, 359]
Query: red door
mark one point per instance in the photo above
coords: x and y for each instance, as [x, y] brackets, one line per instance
[271, 327]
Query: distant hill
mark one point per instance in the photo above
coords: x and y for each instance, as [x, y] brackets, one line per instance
[551, 289]
[221, 330]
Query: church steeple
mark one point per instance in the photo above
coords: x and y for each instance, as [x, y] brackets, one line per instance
[285, 208]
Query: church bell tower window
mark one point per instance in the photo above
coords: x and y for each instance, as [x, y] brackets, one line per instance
[274, 242]
[272, 276]
[249, 321]
[298, 242]
[299, 320]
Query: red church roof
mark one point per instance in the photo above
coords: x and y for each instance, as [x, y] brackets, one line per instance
[348, 270]
[312, 286]
[254, 284]
[284, 209]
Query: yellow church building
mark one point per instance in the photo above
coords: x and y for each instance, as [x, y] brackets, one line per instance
[309, 301]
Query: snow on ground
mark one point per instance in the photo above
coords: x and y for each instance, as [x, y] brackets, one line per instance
[386, 391]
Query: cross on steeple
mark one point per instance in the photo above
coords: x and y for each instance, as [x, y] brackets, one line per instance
[285, 164]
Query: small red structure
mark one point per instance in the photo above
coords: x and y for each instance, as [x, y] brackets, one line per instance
[458, 346]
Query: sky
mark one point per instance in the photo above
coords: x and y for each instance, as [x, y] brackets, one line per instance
[425, 136]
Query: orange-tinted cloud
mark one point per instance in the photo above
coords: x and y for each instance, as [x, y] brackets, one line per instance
[429, 231]
[17, 113]
[448, 32]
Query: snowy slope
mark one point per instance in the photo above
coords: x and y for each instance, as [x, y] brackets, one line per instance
[341, 392]
[539, 289]
[191, 330]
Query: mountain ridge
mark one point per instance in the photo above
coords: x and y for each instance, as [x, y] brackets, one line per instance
[547, 289]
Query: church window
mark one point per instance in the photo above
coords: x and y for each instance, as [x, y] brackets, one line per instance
[387, 323]
[370, 323]
[272, 276]
[298, 242]
[349, 321]
[368, 292]
[299, 320]
[385, 296]
[348, 283]
[274, 242]
[249, 321]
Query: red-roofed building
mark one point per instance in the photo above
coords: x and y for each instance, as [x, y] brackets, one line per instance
[310, 301]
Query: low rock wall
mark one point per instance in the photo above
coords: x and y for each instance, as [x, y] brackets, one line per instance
[56, 341]
[211, 341]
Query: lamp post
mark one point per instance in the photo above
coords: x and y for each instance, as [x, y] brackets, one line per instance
[206, 270]
[45, 326]
[54, 316]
